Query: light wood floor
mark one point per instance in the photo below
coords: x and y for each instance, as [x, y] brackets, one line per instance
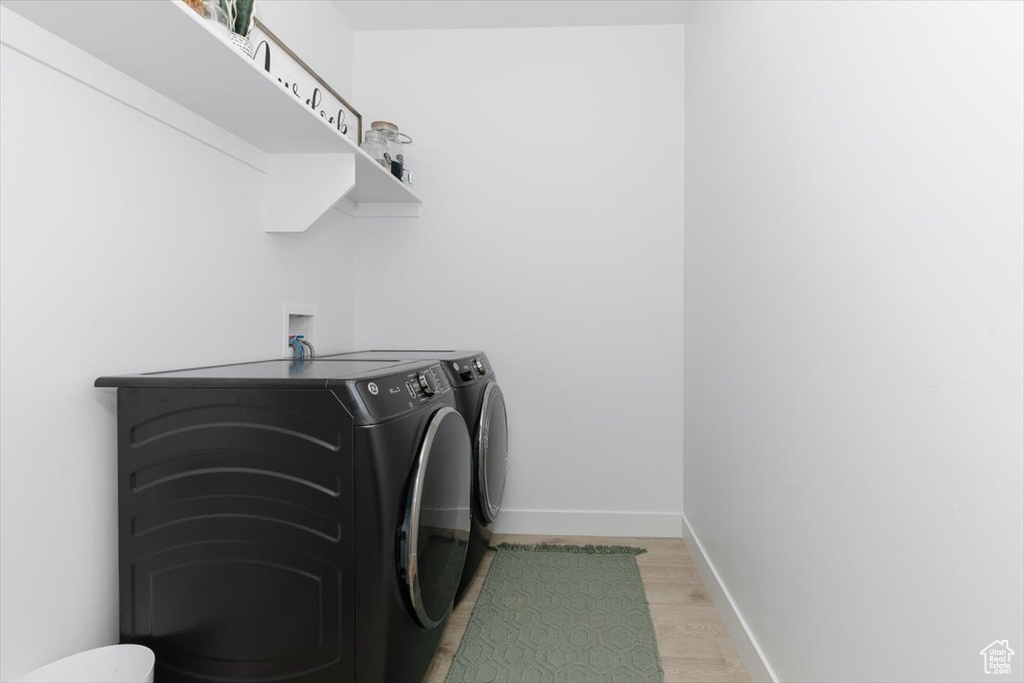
[692, 641]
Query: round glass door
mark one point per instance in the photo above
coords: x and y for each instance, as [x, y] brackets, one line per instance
[491, 452]
[437, 519]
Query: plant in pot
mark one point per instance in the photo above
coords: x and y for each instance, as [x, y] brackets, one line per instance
[240, 21]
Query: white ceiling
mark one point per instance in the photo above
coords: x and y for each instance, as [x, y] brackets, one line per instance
[378, 15]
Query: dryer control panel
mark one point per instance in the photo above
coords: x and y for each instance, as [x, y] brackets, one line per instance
[398, 393]
[467, 370]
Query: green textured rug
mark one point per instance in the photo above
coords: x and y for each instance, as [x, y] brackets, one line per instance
[559, 613]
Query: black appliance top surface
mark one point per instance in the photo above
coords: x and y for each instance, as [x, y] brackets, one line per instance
[320, 372]
[464, 368]
[409, 354]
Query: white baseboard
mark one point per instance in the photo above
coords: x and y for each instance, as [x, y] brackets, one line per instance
[590, 523]
[746, 644]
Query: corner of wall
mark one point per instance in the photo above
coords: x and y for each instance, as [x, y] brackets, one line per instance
[754, 659]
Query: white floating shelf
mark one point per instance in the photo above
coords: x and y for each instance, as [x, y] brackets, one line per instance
[169, 48]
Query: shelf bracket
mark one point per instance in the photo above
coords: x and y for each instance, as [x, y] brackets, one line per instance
[300, 188]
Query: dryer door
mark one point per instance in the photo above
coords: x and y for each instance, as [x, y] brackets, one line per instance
[491, 452]
[435, 531]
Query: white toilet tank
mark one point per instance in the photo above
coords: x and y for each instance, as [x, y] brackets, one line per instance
[111, 664]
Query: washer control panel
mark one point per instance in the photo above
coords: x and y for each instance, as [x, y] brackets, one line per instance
[396, 394]
[431, 381]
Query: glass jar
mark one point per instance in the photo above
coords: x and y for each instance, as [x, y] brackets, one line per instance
[212, 10]
[396, 142]
[376, 145]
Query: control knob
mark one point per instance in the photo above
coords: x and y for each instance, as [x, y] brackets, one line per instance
[479, 365]
[428, 383]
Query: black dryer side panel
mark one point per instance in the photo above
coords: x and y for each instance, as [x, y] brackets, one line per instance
[235, 533]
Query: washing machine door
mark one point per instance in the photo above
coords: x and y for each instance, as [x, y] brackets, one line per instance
[435, 532]
[491, 452]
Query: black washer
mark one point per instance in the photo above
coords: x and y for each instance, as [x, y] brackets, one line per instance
[291, 520]
[482, 405]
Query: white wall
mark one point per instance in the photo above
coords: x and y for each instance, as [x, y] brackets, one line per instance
[550, 162]
[126, 246]
[318, 33]
[854, 332]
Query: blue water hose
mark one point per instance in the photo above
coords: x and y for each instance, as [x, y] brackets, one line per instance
[295, 342]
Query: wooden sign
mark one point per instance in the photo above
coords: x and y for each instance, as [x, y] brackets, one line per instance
[303, 83]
